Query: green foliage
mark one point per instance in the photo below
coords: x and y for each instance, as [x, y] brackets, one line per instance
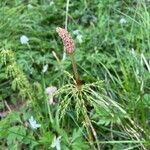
[112, 109]
[19, 80]
[75, 141]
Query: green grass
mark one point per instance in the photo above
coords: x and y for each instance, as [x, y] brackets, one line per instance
[111, 110]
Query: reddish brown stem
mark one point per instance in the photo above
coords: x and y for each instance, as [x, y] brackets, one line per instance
[74, 66]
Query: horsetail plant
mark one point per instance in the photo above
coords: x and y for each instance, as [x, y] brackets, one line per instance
[69, 47]
[92, 95]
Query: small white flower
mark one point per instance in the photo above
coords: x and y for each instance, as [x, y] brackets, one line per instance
[133, 51]
[33, 123]
[45, 68]
[50, 91]
[122, 21]
[51, 3]
[30, 6]
[56, 143]
[24, 39]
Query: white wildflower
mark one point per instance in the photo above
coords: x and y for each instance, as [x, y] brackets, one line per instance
[50, 92]
[24, 39]
[133, 51]
[51, 3]
[122, 21]
[33, 123]
[56, 143]
[29, 6]
[45, 68]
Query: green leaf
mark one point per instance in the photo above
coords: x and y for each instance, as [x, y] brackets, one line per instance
[16, 133]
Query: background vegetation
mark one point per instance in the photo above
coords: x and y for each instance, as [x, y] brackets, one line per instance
[112, 110]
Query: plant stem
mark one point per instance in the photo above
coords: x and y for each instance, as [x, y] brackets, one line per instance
[89, 124]
[74, 66]
[47, 101]
[66, 19]
[66, 24]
